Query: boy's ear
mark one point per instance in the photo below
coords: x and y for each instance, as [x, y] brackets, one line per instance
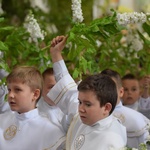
[121, 92]
[36, 94]
[108, 107]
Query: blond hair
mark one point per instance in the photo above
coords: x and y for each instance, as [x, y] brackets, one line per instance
[28, 75]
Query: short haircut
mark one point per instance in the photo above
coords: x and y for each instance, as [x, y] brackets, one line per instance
[104, 88]
[48, 71]
[113, 74]
[129, 76]
[28, 75]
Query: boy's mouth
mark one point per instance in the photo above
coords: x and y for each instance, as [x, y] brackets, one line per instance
[12, 103]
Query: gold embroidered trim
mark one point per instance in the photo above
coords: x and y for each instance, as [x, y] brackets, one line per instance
[10, 132]
[79, 141]
[64, 90]
[69, 133]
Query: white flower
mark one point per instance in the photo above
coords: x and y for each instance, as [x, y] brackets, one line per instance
[99, 43]
[129, 18]
[33, 28]
[137, 44]
[77, 11]
[41, 4]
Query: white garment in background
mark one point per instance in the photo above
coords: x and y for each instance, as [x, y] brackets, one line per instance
[144, 106]
[4, 106]
[136, 125]
[54, 113]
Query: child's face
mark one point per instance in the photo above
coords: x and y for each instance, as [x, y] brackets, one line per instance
[21, 98]
[89, 108]
[49, 82]
[131, 91]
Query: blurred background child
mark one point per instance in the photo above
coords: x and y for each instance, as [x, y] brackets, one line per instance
[133, 96]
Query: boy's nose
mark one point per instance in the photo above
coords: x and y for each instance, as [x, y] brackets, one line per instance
[10, 95]
[81, 108]
[129, 91]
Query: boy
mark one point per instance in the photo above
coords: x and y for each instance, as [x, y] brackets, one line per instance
[45, 105]
[132, 97]
[24, 124]
[48, 83]
[131, 91]
[135, 122]
[94, 127]
[98, 114]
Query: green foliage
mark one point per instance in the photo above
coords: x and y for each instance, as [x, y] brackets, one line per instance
[92, 46]
[111, 53]
[87, 56]
[17, 50]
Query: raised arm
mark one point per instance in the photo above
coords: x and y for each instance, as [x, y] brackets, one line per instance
[57, 45]
[59, 67]
[64, 94]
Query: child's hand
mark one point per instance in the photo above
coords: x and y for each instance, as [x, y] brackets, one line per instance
[146, 82]
[58, 44]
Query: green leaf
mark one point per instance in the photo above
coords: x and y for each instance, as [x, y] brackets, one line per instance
[3, 46]
[83, 64]
[94, 28]
[7, 28]
[146, 27]
[75, 73]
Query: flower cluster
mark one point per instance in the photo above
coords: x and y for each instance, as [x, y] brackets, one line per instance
[129, 18]
[77, 11]
[40, 4]
[33, 28]
[134, 40]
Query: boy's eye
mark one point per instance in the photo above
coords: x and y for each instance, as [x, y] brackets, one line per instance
[88, 104]
[134, 89]
[9, 90]
[50, 86]
[17, 89]
[125, 89]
